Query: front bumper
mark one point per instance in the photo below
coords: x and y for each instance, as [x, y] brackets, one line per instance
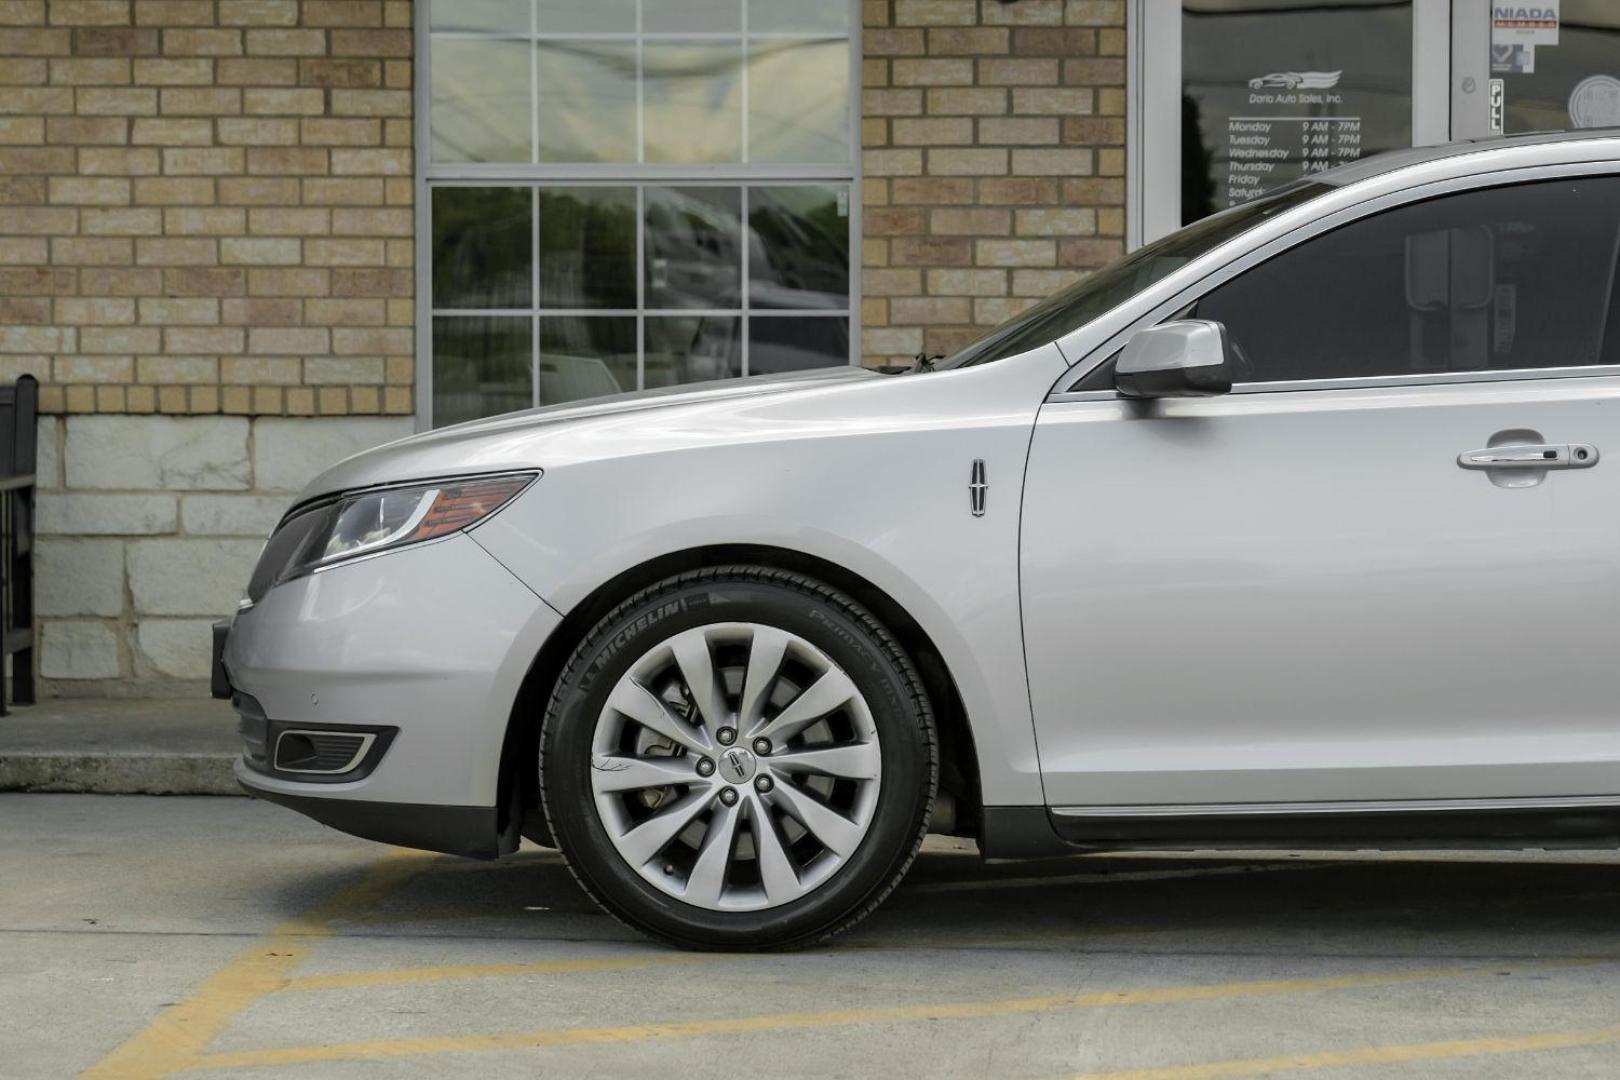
[430, 643]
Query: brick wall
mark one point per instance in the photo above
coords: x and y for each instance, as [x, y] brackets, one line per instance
[205, 205]
[994, 162]
[205, 216]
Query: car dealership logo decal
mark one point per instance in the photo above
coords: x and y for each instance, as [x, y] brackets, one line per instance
[1296, 80]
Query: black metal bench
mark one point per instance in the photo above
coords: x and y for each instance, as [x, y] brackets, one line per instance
[19, 443]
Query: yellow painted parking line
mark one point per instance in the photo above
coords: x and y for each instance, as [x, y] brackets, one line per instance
[172, 1042]
[398, 976]
[744, 1025]
[1371, 1055]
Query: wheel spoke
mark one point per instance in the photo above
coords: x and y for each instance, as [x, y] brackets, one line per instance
[692, 656]
[649, 710]
[649, 838]
[708, 877]
[819, 698]
[615, 772]
[837, 832]
[765, 654]
[776, 872]
[854, 761]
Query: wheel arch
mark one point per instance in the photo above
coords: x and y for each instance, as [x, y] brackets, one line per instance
[519, 779]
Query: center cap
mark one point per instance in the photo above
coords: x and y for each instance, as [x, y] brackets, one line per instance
[737, 765]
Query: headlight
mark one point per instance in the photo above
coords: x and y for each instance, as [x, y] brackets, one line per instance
[377, 520]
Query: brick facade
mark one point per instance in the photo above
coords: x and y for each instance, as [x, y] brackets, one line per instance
[993, 142]
[206, 205]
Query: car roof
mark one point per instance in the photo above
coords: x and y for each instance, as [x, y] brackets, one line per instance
[1379, 164]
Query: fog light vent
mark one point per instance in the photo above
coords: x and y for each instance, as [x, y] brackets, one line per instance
[327, 752]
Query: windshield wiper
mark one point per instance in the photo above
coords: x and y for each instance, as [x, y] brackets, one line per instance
[924, 363]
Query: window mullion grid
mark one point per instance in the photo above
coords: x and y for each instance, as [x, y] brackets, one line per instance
[641, 280]
[534, 83]
[534, 296]
[746, 290]
[747, 54]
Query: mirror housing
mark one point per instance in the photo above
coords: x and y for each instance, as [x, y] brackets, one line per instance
[1183, 358]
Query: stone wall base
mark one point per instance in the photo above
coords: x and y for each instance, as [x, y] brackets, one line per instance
[148, 528]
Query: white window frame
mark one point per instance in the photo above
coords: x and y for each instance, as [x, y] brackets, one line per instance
[1447, 98]
[635, 174]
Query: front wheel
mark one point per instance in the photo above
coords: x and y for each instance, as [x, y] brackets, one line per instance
[739, 757]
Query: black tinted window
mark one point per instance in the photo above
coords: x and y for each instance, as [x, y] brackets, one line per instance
[1122, 279]
[1510, 277]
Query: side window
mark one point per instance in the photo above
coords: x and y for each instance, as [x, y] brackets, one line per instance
[1500, 278]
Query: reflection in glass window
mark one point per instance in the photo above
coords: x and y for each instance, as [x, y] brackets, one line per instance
[499, 16]
[798, 16]
[587, 91]
[800, 254]
[587, 16]
[798, 100]
[1501, 278]
[481, 102]
[693, 349]
[693, 101]
[482, 247]
[482, 365]
[694, 247]
[691, 17]
[616, 186]
[586, 357]
[588, 247]
[796, 343]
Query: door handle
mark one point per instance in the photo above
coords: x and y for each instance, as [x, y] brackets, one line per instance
[1531, 456]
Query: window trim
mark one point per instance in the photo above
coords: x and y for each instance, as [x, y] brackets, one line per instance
[426, 174]
[1247, 259]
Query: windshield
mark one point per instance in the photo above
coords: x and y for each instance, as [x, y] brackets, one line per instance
[1122, 279]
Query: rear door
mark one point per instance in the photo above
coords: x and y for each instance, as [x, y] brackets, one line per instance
[1297, 592]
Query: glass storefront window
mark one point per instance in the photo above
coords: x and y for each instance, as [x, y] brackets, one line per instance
[572, 81]
[1273, 91]
[564, 257]
[634, 193]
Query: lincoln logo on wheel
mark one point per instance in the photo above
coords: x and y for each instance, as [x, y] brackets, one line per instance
[735, 764]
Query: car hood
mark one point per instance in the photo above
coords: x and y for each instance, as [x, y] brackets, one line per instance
[517, 440]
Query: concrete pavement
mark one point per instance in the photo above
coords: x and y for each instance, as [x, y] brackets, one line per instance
[227, 938]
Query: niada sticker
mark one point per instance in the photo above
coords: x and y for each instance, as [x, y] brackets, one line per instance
[1595, 102]
[1525, 24]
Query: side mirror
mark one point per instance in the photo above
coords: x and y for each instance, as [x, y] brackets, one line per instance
[1185, 358]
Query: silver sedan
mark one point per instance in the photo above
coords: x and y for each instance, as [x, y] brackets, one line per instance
[1293, 527]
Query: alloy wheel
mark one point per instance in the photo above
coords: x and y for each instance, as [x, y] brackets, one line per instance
[735, 766]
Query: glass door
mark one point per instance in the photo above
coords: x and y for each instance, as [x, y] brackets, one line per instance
[1238, 97]
[1554, 66]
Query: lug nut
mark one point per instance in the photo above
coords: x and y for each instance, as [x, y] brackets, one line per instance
[726, 735]
[762, 746]
[705, 767]
[762, 784]
[729, 796]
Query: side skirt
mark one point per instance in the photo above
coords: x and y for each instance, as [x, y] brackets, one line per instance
[1032, 832]
[1487, 823]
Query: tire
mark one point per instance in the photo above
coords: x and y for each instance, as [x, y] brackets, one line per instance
[766, 869]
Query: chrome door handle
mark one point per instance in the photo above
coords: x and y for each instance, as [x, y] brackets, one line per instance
[1531, 456]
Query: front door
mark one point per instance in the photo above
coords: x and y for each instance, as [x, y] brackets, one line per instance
[1305, 591]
